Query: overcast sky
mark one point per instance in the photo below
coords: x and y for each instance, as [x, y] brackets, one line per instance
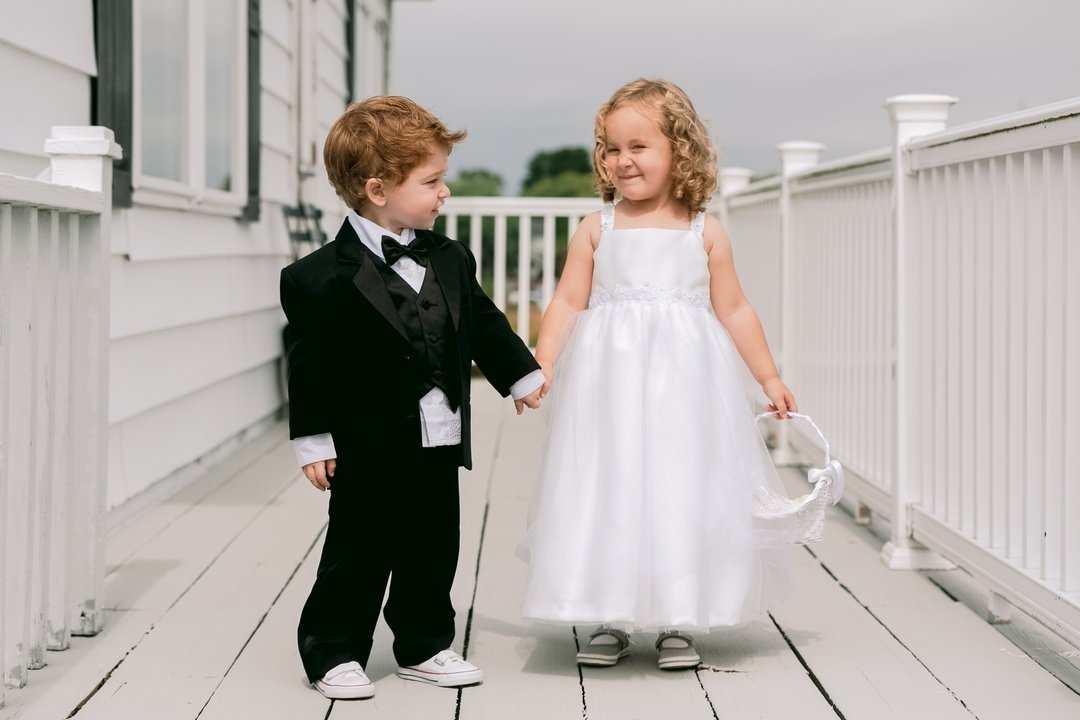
[527, 75]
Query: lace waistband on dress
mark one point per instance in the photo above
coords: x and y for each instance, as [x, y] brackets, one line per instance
[693, 297]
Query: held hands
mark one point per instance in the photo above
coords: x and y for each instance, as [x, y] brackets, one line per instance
[532, 400]
[781, 400]
[319, 473]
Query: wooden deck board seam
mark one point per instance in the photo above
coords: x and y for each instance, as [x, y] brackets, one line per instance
[890, 631]
[479, 557]
[806, 666]
[104, 679]
[580, 676]
[262, 618]
[712, 708]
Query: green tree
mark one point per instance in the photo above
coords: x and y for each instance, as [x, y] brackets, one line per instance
[552, 163]
[476, 182]
[566, 184]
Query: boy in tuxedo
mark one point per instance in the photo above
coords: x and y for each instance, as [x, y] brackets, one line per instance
[384, 325]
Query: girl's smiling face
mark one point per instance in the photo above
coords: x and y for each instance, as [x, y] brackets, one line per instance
[637, 155]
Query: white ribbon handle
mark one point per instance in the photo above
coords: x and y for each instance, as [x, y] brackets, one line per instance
[832, 471]
[807, 418]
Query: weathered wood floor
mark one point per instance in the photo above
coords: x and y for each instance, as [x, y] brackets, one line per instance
[204, 592]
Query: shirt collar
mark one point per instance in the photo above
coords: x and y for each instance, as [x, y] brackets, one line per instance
[371, 233]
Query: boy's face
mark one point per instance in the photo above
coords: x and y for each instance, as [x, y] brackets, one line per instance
[415, 201]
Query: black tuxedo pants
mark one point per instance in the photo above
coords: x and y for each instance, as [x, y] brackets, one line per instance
[393, 520]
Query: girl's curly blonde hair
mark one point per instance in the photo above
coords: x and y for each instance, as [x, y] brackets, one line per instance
[693, 158]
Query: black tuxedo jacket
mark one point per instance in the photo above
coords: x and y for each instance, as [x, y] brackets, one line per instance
[348, 352]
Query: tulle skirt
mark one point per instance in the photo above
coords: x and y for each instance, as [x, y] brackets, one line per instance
[643, 512]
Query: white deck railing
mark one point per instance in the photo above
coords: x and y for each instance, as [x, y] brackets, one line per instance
[54, 320]
[994, 259]
[923, 303]
[540, 221]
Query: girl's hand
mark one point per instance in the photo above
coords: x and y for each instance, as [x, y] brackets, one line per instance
[532, 400]
[782, 401]
[546, 368]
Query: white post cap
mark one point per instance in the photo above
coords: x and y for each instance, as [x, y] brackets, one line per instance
[915, 115]
[79, 155]
[796, 155]
[734, 179]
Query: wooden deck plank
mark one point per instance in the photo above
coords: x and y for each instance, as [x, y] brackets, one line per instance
[267, 679]
[218, 574]
[71, 675]
[863, 669]
[134, 533]
[637, 688]
[945, 635]
[750, 672]
[193, 645]
[529, 672]
[165, 567]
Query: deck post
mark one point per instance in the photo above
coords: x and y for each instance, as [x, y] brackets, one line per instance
[732, 180]
[795, 156]
[83, 157]
[911, 116]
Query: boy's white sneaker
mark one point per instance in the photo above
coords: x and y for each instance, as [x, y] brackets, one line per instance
[446, 669]
[346, 681]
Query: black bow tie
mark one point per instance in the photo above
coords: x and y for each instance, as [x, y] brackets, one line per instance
[393, 251]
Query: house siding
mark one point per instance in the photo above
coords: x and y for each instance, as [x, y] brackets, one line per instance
[195, 323]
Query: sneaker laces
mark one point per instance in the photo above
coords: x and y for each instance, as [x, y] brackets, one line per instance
[346, 674]
[449, 657]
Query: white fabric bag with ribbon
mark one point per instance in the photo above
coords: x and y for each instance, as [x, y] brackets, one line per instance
[773, 513]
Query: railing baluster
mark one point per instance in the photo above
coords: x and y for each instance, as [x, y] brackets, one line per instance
[982, 390]
[548, 270]
[476, 243]
[19, 521]
[999, 352]
[1055, 379]
[1070, 506]
[43, 253]
[59, 600]
[7, 576]
[500, 262]
[1034, 410]
[524, 276]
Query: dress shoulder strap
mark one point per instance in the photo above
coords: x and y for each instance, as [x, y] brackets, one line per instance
[698, 223]
[607, 216]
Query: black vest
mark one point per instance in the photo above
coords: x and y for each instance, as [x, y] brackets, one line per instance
[434, 360]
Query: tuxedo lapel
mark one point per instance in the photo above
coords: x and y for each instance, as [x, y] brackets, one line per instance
[355, 260]
[447, 271]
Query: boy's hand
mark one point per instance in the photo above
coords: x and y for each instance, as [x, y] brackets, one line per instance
[531, 400]
[319, 473]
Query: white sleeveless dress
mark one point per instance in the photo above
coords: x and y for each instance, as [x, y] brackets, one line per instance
[643, 514]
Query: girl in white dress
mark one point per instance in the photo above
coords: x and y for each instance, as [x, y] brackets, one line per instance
[643, 514]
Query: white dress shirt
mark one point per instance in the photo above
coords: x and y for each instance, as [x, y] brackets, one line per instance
[439, 424]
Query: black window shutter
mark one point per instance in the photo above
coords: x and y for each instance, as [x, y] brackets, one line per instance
[254, 90]
[111, 91]
[350, 52]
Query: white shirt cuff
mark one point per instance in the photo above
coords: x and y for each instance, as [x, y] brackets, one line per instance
[527, 384]
[313, 448]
